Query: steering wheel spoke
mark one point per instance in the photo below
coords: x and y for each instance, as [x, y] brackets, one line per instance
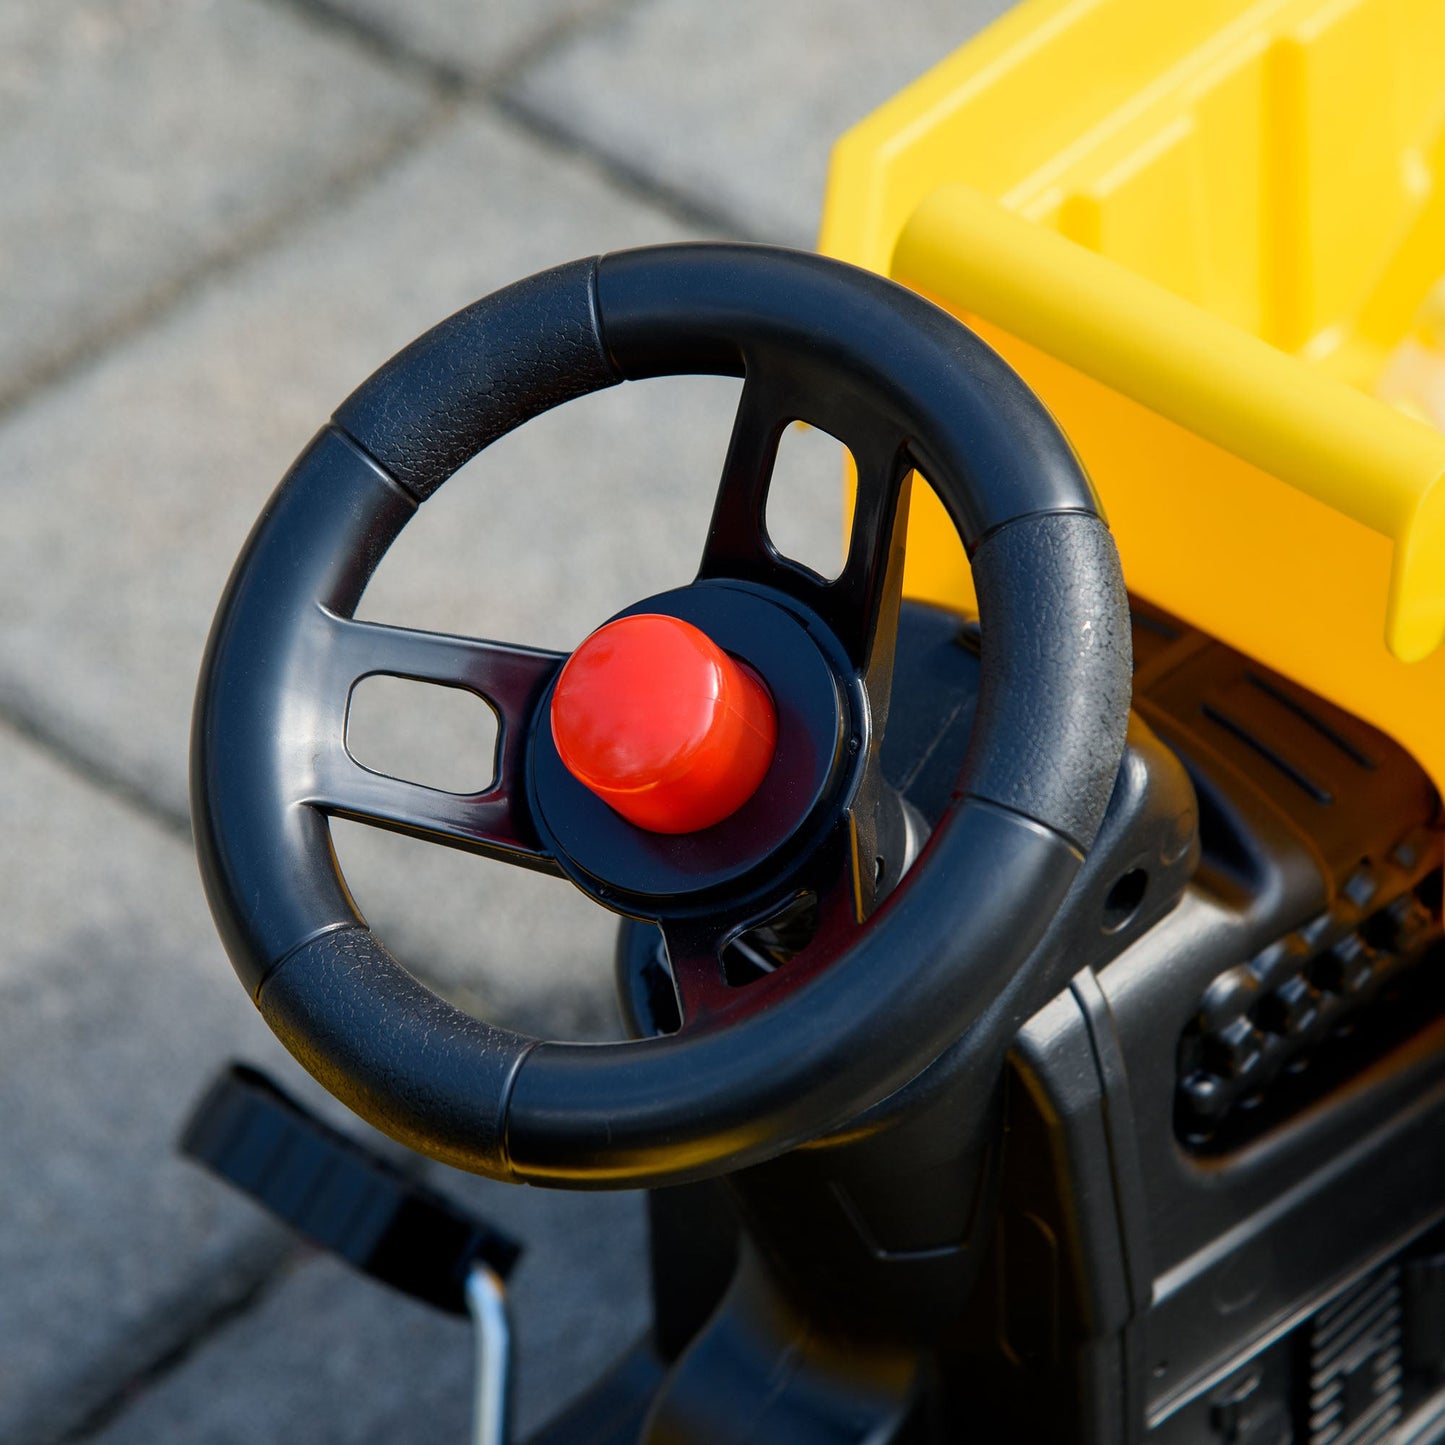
[495, 821]
[509, 677]
[694, 957]
[737, 541]
[800, 935]
[861, 603]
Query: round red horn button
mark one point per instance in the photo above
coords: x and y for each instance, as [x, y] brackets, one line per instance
[657, 720]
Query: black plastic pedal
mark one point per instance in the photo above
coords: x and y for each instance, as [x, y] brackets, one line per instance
[338, 1194]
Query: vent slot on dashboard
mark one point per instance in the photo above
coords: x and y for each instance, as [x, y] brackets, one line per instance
[1355, 1371]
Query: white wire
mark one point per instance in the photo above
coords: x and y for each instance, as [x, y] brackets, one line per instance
[487, 1305]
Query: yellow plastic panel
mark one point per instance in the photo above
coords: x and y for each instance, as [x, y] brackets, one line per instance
[1338, 177]
[1199, 231]
[1306, 604]
[1148, 212]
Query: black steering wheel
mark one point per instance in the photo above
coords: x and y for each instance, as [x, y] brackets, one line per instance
[884, 987]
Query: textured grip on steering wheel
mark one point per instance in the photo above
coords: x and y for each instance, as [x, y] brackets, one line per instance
[1057, 666]
[480, 373]
[339, 995]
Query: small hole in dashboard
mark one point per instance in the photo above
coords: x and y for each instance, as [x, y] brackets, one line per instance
[1124, 899]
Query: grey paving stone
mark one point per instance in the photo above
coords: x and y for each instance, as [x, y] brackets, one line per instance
[737, 106]
[129, 489]
[332, 1359]
[141, 138]
[479, 38]
[115, 1008]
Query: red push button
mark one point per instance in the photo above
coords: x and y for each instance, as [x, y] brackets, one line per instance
[658, 721]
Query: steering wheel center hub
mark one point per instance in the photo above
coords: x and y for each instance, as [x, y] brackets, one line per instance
[659, 722]
[819, 741]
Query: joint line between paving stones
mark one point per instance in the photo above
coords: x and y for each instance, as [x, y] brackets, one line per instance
[93, 773]
[560, 29]
[244, 1302]
[452, 82]
[446, 84]
[638, 183]
[380, 44]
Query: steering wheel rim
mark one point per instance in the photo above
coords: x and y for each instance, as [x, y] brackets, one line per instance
[814, 1046]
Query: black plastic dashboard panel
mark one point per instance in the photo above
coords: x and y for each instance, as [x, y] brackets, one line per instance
[1272, 1056]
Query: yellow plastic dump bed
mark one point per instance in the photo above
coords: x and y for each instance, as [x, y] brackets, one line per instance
[1202, 232]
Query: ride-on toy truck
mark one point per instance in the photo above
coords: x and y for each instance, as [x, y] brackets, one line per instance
[1034, 988]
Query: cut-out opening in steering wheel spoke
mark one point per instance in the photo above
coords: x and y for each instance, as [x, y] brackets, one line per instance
[737, 542]
[718, 966]
[495, 821]
[860, 601]
[509, 677]
[804, 509]
[423, 732]
[765, 947]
